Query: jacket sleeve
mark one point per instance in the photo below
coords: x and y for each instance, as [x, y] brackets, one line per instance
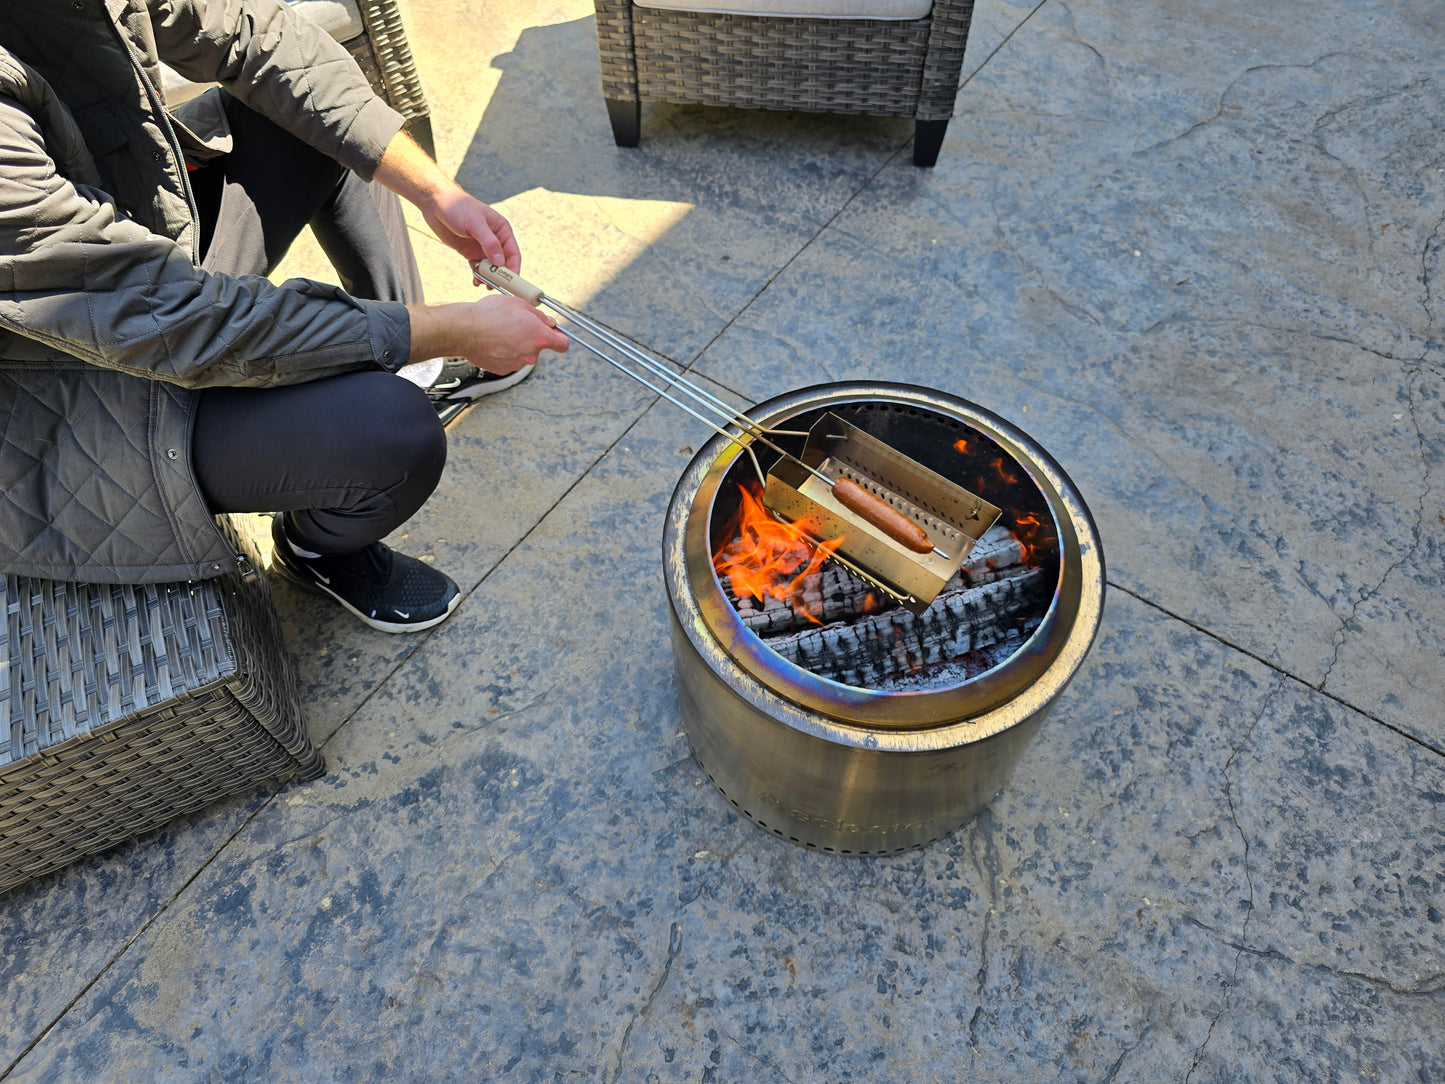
[80, 279]
[283, 66]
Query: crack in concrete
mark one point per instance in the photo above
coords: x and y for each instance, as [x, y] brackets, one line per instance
[1273, 667]
[1248, 875]
[1413, 371]
[1329, 116]
[674, 947]
[1224, 96]
[758, 1057]
[988, 866]
[1356, 184]
[1124, 1054]
[1188, 320]
[999, 47]
[1032, 271]
[1074, 39]
[1428, 986]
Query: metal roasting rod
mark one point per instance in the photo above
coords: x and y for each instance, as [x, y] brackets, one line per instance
[700, 396]
[506, 281]
[679, 404]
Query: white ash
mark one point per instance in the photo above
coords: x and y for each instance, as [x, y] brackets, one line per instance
[862, 638]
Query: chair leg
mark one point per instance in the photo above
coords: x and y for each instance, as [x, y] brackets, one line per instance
[626, 118]
[927, 139]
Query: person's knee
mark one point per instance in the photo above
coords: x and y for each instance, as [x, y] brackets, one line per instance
[402, 428]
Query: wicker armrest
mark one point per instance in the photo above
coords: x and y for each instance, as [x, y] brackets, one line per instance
[385, 57]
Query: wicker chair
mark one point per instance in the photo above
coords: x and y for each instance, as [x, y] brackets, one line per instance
[125, 707]
[385, 57]
[372, 32]
[888, 68]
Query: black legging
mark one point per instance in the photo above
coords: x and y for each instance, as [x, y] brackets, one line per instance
[349, 458]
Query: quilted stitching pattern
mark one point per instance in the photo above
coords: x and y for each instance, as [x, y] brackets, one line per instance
[95, 474]
[79, 499]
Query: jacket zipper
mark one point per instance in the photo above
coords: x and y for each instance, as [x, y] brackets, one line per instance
[244, 566]
[172, 140]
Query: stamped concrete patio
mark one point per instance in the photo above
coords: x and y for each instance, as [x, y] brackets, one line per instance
[1195, 249]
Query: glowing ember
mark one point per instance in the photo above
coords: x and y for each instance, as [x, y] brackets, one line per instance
[766, 557]
[961, 446]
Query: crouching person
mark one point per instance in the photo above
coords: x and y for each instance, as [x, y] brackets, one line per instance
[151, 376]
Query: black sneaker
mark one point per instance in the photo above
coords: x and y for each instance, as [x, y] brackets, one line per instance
[461, 383]
[386, 589]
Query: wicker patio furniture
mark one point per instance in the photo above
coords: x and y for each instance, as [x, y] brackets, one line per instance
[122, 708]
[385, 57]
[877, 67]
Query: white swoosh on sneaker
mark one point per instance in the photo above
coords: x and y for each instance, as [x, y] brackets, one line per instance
[402, 614]
[324, 579]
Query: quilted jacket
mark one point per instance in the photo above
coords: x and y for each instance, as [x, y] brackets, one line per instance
[108, 326]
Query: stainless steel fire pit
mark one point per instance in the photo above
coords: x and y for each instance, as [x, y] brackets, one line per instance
[857, 770]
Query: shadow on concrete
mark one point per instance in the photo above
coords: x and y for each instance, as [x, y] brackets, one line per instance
[546, 127]
[746, 189]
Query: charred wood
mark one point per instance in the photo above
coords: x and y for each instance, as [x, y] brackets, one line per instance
[882, 647]
[839, 626]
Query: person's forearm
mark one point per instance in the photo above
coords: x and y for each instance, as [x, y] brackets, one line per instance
[458, 218]
[432, 334]
[409, 172]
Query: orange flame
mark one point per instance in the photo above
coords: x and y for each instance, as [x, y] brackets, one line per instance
[763, 555]
[997, 465]
[960, 446]
[1033, 534]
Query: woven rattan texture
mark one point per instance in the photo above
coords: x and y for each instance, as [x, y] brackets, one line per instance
[124, 707]
[385, 58]
[880, 68]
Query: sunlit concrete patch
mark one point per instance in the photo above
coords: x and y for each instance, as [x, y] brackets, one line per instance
[615, 230]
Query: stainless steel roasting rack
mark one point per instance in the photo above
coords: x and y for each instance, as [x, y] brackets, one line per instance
[902, 526]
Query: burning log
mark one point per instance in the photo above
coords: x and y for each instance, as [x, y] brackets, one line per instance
[993, 555]
[838, 626]
[831, 593]
[968, 628]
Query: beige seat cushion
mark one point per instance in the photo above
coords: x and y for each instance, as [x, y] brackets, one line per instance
[807, 9]
[340, 18]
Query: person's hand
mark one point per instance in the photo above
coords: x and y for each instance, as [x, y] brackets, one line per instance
[462, 221]
[475, 229]
[497, 333]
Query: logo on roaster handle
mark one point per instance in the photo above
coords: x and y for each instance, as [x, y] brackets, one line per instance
[492, 269]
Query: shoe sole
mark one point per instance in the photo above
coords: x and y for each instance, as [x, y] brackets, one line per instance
[501, 383]
[448, 408]
[301, 580]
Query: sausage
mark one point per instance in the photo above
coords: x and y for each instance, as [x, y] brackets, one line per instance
[882, 515]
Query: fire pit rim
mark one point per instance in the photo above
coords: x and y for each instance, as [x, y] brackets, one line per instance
[967, 711]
